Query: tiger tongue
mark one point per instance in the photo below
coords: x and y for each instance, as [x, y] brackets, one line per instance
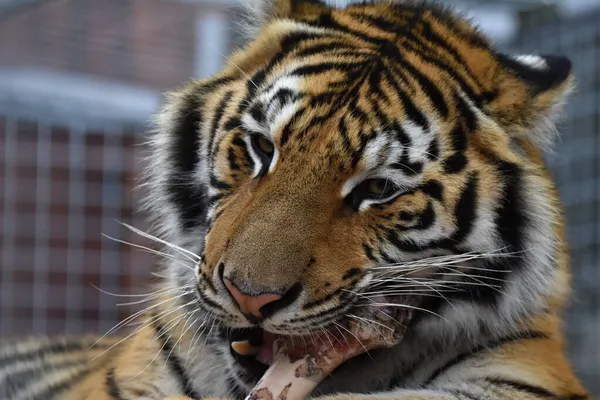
[265, 351]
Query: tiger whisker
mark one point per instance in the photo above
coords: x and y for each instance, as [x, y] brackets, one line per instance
[182, 334]
[136, 331]
[135, 315]
[399, 285]
[190, 255]
[229, 61]
[165, 289]
[370, 321]
[355, 337]
[150, 250]
[152, 298]
[448, 259]
[177, 320]
[472, 276]
[192, 341]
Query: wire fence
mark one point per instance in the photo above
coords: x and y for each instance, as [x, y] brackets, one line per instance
[78, 82]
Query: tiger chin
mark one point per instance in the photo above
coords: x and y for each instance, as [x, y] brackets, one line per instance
[345, 157]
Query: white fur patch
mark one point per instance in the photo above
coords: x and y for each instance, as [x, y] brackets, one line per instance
[532, 61]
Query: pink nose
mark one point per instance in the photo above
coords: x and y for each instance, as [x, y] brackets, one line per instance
[250, 305]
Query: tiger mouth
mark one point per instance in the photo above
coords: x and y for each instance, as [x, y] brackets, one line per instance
[253, 348]
[257, 343]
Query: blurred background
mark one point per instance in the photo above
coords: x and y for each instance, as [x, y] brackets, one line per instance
[79, 80]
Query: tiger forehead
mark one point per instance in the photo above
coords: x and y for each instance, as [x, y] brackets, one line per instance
[286, 113]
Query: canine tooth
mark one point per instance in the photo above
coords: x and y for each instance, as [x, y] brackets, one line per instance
[244, 348]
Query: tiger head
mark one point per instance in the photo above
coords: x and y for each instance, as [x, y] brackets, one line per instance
[348, 155]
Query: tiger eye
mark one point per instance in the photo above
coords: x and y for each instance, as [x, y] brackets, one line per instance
[378, 187]
[265, 145]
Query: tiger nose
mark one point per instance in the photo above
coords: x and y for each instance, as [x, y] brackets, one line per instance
[251, 305]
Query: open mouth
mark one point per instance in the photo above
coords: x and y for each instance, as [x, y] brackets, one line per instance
[253, 348]
[373, 326]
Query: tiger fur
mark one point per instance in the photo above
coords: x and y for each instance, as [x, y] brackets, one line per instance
[346, 153]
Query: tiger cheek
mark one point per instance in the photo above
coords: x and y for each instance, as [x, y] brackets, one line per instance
[337, 257]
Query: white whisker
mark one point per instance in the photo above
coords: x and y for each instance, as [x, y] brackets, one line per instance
[151, 251]
[192, 256]
[136, 331]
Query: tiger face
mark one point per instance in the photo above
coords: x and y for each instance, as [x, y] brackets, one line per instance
[362, 155]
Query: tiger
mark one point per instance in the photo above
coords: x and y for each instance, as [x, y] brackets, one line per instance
[347, 155]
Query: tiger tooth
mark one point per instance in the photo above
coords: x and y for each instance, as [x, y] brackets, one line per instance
[244, 348]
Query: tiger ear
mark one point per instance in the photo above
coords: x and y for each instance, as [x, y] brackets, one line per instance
[261, 12]
[265, 10]
[530, 93]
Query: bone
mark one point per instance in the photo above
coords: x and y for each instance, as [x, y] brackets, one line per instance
[296, 373]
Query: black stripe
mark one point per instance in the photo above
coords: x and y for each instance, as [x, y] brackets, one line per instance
[217, 117]
[369, 252]
[528, 335]
[437, 62]
[175, 363]
[325, 48]
[344, 134]
[186, 141]
[322, 300]
[352, 272]
[430, 35]
[239, 142]
[257, 111]
[287, 129]
[411, 110]
[401, 135]
[458, 137]
[510, 216]
[294, 39]
[433, 151]
[524, 387]
[208, 302]
[465, 211]
[286, 96]
[232, 158]
[467, 115]
[455, 163]
[114, 391]
[328, 21]
[408, 167]
[219, 184]
[425, 220]
[232, 123]
[430, 89]
[313, 69]
[433, 189]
